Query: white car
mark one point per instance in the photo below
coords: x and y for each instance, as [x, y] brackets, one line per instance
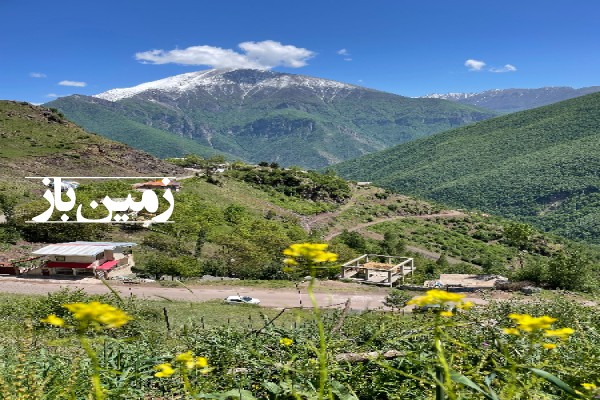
[242, 300]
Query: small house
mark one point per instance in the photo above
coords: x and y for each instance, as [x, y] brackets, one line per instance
[160, 184]
[98, 259]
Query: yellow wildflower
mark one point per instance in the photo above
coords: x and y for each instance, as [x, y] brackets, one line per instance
[53, 320]
[549, 346]
[98, 313]
[511, 331]
[164, 370]
[184, 357]
[589, 386]
[436, 296]
[446, 313]
[528, 323]
[191, 361]
[311, 252]
[286, 341]
[201, 362]
[562, 333]
[467, 305]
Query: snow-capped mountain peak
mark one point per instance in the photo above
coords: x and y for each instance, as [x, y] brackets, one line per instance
[214, 80]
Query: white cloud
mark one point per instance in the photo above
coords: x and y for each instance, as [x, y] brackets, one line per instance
[37, 75]
[474, 65]
[260, 55]
[72, 83]
[506, 68]
[343, 52]
[347, 59]
[52, 95]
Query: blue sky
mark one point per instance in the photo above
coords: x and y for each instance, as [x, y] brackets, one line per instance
[410, 48]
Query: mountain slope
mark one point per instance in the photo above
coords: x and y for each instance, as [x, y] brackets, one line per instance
[36, 141]
[109, 123]
[540, 165]
[512, 100]
[270, 116]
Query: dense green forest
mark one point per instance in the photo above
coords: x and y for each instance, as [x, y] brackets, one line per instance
[540, 166]
[112, 125]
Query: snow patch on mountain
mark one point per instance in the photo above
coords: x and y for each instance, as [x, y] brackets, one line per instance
[229, 81]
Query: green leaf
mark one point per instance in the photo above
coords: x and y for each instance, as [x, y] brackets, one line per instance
[460, 378]
[231, 394]
[273, 388]
[555, 381]
[342, 392]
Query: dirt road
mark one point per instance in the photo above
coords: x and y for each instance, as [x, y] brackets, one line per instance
[275, 298]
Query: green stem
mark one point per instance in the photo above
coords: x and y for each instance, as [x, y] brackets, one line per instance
[322, 353]
[186, 380]
[439, 349]
[96, 383]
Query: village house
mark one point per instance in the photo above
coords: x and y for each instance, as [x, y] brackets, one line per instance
[98, 259]
[160, 184]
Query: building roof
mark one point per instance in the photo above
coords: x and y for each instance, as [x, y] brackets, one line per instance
[157, 184]
[80, 248]
[107, 266]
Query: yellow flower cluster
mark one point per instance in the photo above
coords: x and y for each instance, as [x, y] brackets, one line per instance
[97, 313]
[190, 361]
[52, 319]
[314, 253]
[562, 333]
[94, 313]
[527, 323]
[441, 298]
[589, 386]
[286, 341]
[530, 324]
[164, 370]
[185, 360]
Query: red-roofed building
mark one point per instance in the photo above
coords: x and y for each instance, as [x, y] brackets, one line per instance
[159, 184]
[97, 259]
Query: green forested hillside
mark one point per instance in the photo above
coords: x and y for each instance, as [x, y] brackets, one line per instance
[541, 166]
[111, 124]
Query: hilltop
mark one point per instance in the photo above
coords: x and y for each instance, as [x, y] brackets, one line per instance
[540, 166]
[40, 141]
[37, 141]
[511, 100]
[258, 115]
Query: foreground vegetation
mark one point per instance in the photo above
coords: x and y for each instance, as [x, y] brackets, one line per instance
[279, 358]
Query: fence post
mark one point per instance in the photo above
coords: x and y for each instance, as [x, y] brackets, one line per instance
[166, 314]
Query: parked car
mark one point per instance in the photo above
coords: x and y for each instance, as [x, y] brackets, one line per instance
[242, 300]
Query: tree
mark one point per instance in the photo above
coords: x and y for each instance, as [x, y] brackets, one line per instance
[392, 244]
[567, 270]
[518, 235]
[200, 241]
[159, 265]
[353, 240]
[7, 205]
[397, 298]
[442, 262]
